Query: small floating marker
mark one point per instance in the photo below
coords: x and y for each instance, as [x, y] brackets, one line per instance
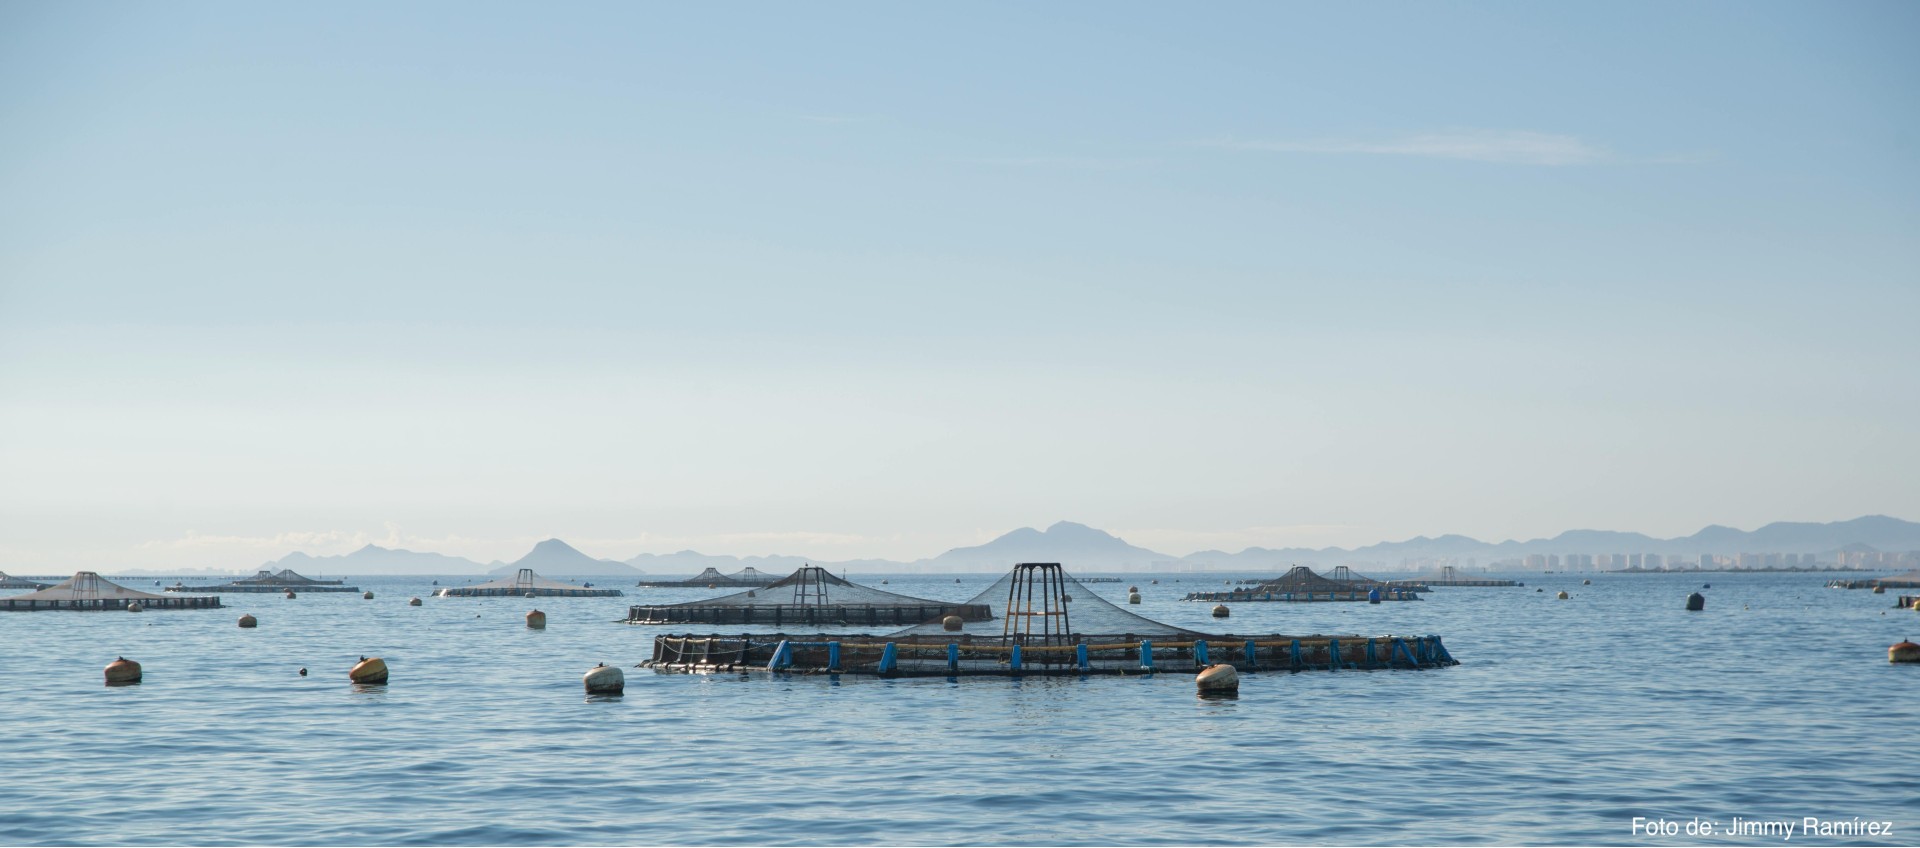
[1879, 590]
[290, 595]
[1133, 590]
[530, 594]
[1539, 590]
[537, 620]
[413, 602]
[1221, 611]
[883, 582]
[249, 622]
[1217, 678]
[709, 585]
[750, 592]
[604, 679]
[366, 595]
[1156, 582]
[1586, 582]
[369, 670]
[1373, 595]
[1133, 598]
[303, 672]
[122, 671]
[1901, 652]
[956, 579]
[1706, 586]
[952, 624]
[1696, 602]
[134, 606]
[1563, 596]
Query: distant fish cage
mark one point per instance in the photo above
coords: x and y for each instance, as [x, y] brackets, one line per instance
[812, 615]
[966, 655]
[1387, 593]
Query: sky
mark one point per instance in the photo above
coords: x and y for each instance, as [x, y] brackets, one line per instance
[878, 280]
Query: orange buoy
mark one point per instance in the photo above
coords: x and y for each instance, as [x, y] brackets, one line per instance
[952, 624]
[249, 622]
[1901, 652]
[122, 671]
[369, 670]
[1218, 678]
[537, 620]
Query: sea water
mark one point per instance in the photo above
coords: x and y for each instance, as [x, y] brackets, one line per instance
[1577, 721]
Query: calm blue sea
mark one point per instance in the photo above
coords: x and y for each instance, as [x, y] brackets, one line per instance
[1566, 721]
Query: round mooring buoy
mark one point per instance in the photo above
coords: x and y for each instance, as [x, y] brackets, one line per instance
[1218, 678]
[1221, 611]
[413, 602]
[290, 594]
[537, 620]
[1879, 590]
[1133, 590]
[1901, 652]
[369, 670]
[134, 606]
[1696, 602]
[1706, 585]
[366, 596]
[1156, 582]
[1133, 598]
[122, 670]
[604, 679]
[952, 624]
[1586, 582]
[1563, 596]
[249, 622]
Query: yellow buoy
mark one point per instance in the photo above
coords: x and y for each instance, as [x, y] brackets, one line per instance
[1562, 596]
[952, 623]
[413, 602]
[367, 595]
[604, 679]
[134, 606]
[122, 670]
[1218, 678]
[1901, 652]
[537, 620]
[249, 622]
[1221, 611]
[369, 670]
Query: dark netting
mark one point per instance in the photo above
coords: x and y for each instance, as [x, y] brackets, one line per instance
[712, 578]
[811, 595]
[1303, 579]
[1040, 603]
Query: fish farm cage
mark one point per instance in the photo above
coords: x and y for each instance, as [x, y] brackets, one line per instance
[525, 583]
[88, 591]
[267, 581]
[1302, 585]
[1050, 624]
[711, 578]
[813, 597]
[1450, 576]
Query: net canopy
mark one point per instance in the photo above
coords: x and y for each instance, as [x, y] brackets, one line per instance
[285, 578]
[525, 582]
[1303, 579]
[8, 581]
[712, 578]
[1040, 602]
[810, 594]
[88, 586]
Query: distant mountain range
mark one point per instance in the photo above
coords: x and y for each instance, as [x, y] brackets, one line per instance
[1087, 549]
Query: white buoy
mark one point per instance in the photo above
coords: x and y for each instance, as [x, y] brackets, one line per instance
[413, 602]
[249, 622]
[1218, 678]
[952, 624]
[604, 679]
[122, 670]
[366, 595]
[537, 620]
[134, 606]
[1133, 598]
[369, 670]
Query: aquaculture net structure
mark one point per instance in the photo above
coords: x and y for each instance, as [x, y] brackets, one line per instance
[813, 596]
[1053, 626]
[1302, 585]
[8, 581]
[711, 578]
[272, 581]
[87, 590]
[523, 583]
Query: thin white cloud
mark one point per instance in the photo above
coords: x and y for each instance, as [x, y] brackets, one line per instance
[1517, 147]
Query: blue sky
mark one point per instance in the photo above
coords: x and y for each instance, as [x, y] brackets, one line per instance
[873, 280]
